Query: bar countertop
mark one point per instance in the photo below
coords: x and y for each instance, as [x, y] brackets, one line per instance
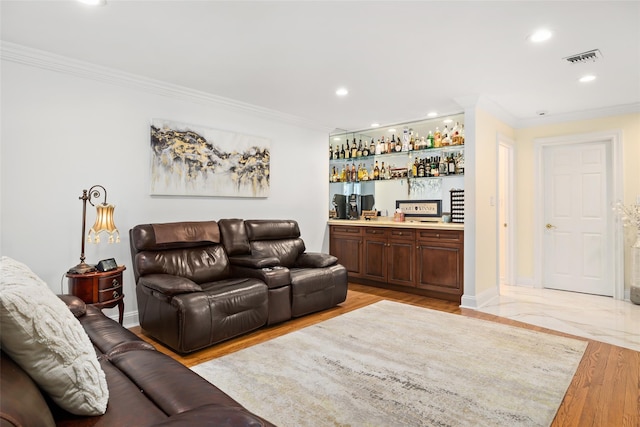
[389, 222]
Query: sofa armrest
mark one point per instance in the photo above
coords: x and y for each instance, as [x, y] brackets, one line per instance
[168, 284]
[253, 262]
[75, 304]
[315, 260]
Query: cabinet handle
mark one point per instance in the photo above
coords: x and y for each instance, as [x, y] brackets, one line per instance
[115, 294]
[115, 283]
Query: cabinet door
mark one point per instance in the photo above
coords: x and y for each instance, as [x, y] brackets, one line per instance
[375, 253]
[401, 256]
[346, 245]
[440, 266]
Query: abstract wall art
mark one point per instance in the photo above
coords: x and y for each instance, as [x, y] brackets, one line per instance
[191, 160]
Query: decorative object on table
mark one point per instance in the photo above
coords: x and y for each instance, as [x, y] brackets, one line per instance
[418, 209]
[104, 223]
[199, 161]
[630, 216]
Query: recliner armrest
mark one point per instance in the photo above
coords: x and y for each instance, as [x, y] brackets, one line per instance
[315, 260]
[168, 284]
[253, 262]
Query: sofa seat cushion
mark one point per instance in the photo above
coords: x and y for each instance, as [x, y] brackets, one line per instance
[315, 289]
[41, 335]
[168, 384]
[128, 404]
[215, 416]
[223, 310]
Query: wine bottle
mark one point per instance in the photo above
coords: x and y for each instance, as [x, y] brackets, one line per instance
[383, 172]
[354, 149]
[376, 171]
[330, 152]
[451, 165]
[342, 152]
[347, 151]
[359, 150]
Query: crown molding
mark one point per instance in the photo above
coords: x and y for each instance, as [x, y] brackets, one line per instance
[49, 61]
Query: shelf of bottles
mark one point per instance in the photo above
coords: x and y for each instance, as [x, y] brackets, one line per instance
[427, 149]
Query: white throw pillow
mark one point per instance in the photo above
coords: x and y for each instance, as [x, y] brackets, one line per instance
[41, 335]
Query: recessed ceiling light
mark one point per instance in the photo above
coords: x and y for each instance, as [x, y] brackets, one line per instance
[448, 120]
[391, 130]
[587, 78]
[375, 125]
[432, 114]
[540, 35]
[336, 138]
[342, 92]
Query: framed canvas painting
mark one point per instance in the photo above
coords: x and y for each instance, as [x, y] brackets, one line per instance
[189, 160]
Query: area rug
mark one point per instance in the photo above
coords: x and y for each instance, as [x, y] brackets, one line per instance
[392, 364]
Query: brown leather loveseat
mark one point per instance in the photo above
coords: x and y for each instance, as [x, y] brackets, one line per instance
[200, 283]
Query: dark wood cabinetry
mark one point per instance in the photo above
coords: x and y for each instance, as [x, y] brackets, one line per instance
[346, 245]
[440, 260]
[425, 261]
[102, 289]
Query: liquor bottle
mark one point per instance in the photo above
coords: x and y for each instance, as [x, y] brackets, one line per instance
[387, 173]
[442, 167]
[437, 138]
[389, 147]
[330, 152]
[354, 174]
[398, 146]
[446, 139]
[414, 168]
[451, 165]
[378, 148]
[421, 169]
[383, 172]
[376, 171]
[347, 151]
[431, 140]
[434, 167]
[359, 150]
[354, 149]
[372, 147]
[365, 150]
[460, 163]
[342, 152]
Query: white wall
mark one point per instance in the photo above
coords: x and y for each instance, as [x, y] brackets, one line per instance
[62, 133]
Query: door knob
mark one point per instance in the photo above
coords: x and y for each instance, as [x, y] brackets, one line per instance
[549, 226]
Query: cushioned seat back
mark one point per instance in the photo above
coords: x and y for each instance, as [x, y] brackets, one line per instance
[185, 249]
[234, 237]
[278, 238]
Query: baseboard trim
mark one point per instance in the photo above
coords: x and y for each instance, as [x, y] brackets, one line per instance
[480, 300]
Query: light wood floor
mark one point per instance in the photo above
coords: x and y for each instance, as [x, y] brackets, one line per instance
[605, 391]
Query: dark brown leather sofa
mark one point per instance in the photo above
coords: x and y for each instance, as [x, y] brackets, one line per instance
[146, 387]
[199, 283]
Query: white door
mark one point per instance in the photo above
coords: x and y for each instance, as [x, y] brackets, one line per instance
[577, 250]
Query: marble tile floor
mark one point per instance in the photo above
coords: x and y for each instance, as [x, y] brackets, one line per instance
[590, 316]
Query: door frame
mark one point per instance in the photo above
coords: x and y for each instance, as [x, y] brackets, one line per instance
[613, 139]
[504, 141]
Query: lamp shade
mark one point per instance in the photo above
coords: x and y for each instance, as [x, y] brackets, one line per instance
[104, 223]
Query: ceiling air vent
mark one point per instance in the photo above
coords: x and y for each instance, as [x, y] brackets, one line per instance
[588, 56]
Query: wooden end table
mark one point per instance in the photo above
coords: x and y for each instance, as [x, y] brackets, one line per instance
[100, 289]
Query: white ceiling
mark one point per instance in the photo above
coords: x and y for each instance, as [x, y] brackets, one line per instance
[399, 60]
